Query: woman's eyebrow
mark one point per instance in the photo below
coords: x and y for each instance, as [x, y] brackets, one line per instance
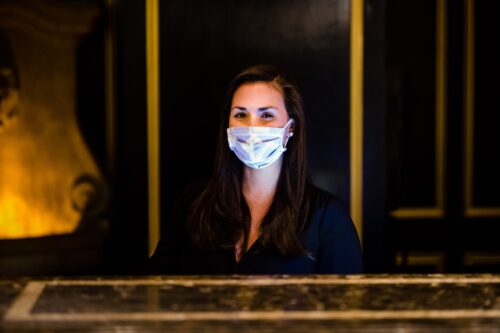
[265, 108]
[239, 108]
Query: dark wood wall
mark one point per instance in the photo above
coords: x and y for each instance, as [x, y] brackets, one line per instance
[204, 44]
[129, 246]
[431, 158]
[416, 150]
[443, 157]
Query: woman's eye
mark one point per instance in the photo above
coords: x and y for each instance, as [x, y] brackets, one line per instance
[267, 115]
[239, 115]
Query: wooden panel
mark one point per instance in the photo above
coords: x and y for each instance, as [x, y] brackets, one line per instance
[481, 148]
[416, 108]
[486, 106]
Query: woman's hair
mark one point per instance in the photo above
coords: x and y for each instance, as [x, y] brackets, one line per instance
[219, 215]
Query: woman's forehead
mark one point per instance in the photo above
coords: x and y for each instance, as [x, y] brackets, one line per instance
[258, 94]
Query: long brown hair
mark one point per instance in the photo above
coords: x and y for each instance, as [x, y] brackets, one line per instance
[219, 215]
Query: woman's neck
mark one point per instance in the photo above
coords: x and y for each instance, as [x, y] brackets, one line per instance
[259, 187]
[261, 184]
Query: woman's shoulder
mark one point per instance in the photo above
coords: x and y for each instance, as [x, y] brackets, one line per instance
[327, 211]
[339, 250]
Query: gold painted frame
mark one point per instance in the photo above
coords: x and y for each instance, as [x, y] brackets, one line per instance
[356, 114]
[153, 122]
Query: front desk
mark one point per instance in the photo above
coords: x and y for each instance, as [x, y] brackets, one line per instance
[378, 303]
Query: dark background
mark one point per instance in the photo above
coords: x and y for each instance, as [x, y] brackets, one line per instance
[204, 44]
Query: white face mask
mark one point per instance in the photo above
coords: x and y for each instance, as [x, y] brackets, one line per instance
[257, 146]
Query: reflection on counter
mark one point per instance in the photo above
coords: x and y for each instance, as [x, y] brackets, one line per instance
[444, 303]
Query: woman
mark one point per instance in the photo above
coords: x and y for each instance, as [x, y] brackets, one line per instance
[258, 214]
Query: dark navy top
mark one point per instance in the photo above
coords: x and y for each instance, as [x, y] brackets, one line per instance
[329, 236]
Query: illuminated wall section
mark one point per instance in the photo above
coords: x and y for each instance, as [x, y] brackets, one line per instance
[47, 174]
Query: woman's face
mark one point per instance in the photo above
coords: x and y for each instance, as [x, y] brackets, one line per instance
[258, 104]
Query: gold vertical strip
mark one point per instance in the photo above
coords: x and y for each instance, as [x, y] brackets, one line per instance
[153, 122]
[469, 103]
[441, 89]
[109, 74]
[356, 114]
[440, 117]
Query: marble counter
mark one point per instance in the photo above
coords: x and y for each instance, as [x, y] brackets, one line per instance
[434, 303]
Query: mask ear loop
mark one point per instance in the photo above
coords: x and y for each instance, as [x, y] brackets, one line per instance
[287, 135]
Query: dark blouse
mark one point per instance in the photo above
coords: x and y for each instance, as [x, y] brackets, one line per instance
[329, 236]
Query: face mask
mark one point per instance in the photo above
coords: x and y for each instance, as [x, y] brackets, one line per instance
[258, 147]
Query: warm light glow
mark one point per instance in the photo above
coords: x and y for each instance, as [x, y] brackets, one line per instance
[47, 174]
[18, 219]
[37, 191]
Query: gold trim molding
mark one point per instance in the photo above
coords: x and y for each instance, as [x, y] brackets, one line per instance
[470, 210]
[153, 122]
[473, 258]
[420, 258]
[356, 114]
[441, 106]
[419, 212]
